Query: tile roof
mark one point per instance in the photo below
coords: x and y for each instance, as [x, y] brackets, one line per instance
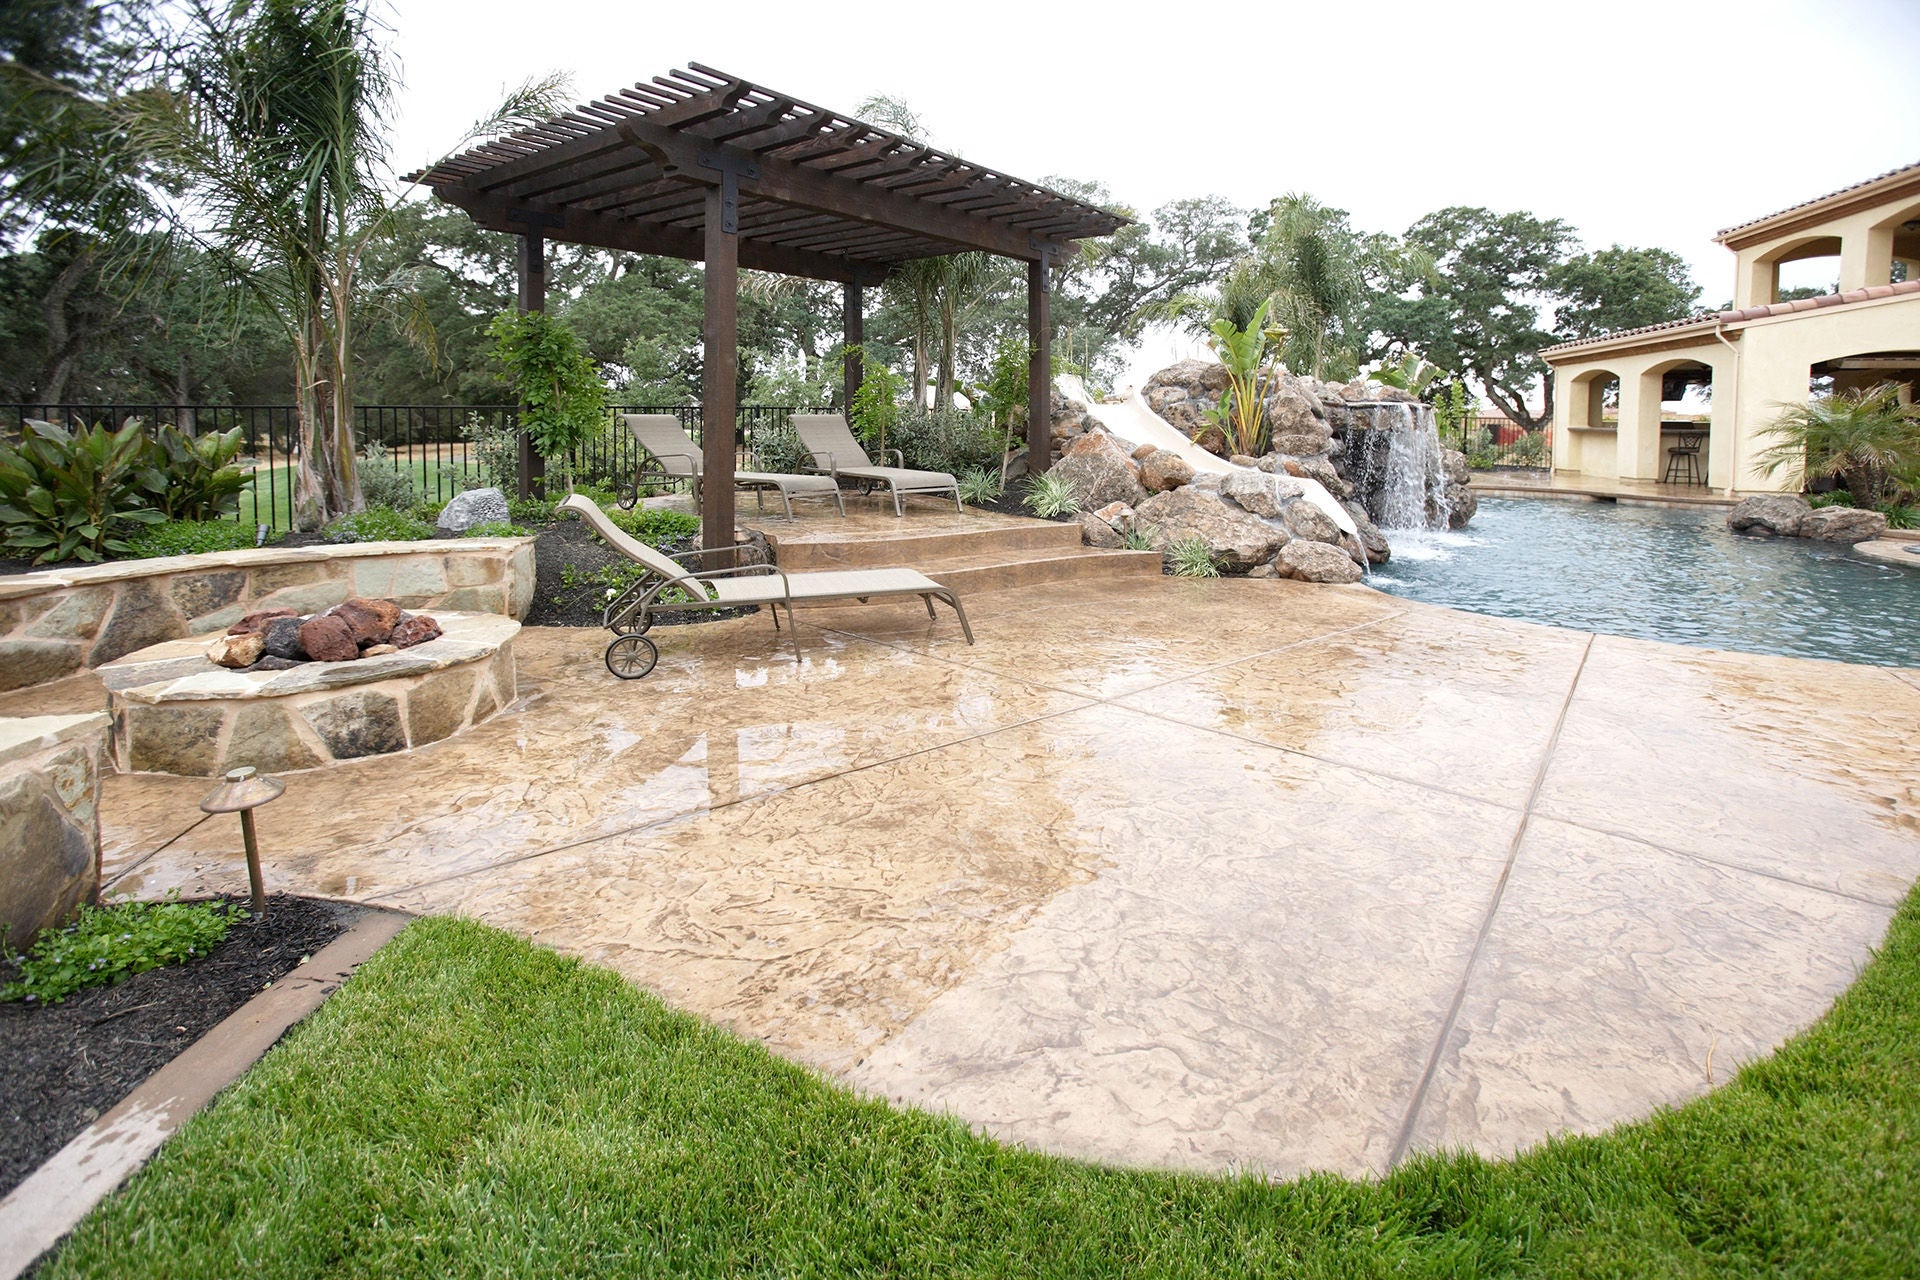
[1808, 204]
[1744, 314]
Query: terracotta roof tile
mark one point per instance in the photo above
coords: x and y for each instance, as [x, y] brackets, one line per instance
[1807, 204]
[1745, 314]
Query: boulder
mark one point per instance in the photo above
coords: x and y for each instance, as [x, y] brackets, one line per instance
[1314, 467]
[258, 621]
[1770, 515]
[371, 621]
[474, 507]
[1843, 524]
[1238, 539]
[1096, 532]
[1098, 470]
[242, 650]
[1453, 464]
[1208, 377]
[328, 639]
[415, 628]
[1262, 494]
[1163, 469]
[1372, 541]
[1117, 514]
[1301, 443]
[1462, 505]
[283, 639]
[1308, 522]
[1316, 562]
[1146, 451]
[1211, 438]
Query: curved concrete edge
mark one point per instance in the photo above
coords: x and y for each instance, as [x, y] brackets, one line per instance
[38, 1214]
[1891, 551]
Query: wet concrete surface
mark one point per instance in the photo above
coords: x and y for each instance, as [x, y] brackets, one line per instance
[1196, 874]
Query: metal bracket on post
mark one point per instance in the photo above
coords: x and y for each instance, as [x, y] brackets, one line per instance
[731, 169]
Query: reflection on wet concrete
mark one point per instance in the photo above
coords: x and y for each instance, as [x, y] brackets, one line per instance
[1195, 874]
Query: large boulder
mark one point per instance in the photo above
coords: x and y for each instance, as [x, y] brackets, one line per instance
[1163, 469]
[1316, 562]
[1309, 523]
[1099, 469]
[1095, 532]
[1843, 524]
[1263, 494]
[1453, 464]
[1238, 539]
[474, 507]
[1770, 514]
[1462, 505]
[1372, 541]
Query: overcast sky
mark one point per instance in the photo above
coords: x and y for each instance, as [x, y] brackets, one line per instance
[1648, 124]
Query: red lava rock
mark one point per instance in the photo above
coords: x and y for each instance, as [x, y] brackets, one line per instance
[371, 621]
[414, 629]
[328, 639]
[258, 621]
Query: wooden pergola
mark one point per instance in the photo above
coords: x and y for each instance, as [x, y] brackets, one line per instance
[711, 168]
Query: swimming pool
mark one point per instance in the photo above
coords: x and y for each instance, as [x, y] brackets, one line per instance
[1662, 574]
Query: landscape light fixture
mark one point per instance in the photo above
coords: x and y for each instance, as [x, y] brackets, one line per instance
[241, 792]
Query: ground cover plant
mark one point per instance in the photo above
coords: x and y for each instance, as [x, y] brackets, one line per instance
[192, 537]
[105, 944]
[470, 1104]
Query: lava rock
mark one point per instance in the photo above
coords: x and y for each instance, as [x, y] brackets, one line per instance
[259, 621]
[416, 628]
[283, 638]
[371, 621]
[328, 639]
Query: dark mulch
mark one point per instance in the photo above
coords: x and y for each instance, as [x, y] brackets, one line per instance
[569, 543]
[62, 1066]
[1009, 503]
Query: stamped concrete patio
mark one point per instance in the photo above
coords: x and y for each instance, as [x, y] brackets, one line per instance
[1201, 874]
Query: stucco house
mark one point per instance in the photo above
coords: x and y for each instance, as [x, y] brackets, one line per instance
[1762, 353]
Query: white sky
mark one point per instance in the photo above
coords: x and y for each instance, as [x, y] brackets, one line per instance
[1648, 124]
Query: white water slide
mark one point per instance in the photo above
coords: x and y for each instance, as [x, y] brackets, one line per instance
[1134, 421]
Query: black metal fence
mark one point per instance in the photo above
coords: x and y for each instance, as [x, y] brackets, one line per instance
[1500, 444]
[441, 446]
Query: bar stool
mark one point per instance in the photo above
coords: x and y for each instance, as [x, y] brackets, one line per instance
[1683, 461]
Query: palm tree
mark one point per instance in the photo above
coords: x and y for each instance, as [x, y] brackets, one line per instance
[1860, 437]
[915, 285]
[272, 121]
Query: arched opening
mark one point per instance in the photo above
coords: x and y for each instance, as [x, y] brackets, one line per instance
[1683, 391]
[1804, 268]
[1596, 400]
[1892, 252]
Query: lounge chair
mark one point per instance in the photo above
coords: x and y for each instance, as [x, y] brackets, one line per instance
[835, 452]
[674, 456]
[629, 615]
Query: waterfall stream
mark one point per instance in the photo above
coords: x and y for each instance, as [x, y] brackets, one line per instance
[1392, 458]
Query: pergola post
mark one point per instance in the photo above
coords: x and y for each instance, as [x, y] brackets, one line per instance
[533, 297]
[854, 322]
[719, 369]
[1039, 369]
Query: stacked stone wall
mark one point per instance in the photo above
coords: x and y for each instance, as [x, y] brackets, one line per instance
[49, 819]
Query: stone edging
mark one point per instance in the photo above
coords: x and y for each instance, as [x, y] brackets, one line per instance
[38, 1214]
[56, 622]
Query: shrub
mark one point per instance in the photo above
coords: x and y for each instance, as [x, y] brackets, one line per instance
[74, 495]
[377, 524]
[429, 511]
[565, 401]
[1192, 558]
[778, 449]
[493, 450]
[876, 405]
[1831, 498]
[202, 480]
[105, 944]
[1138, 538]
[656, 527]
[383, 483]
[191, 537]
[1050, 497]
[531, 510]
[1900, 515]
[980, 486]
[950, 440]
[497, 529]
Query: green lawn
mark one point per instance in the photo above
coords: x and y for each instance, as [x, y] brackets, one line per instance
[277, 480]
[471, 1105]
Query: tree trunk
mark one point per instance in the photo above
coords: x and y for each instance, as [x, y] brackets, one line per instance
[943, 393]
[63, 345]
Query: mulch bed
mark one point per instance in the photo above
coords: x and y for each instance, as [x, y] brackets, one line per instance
[62, 1066]
[567, 543]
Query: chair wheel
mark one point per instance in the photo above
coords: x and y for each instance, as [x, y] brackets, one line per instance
[631, 657]
[627, 496]
[628, 627]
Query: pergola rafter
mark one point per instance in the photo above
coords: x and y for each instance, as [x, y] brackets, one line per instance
[708, 167]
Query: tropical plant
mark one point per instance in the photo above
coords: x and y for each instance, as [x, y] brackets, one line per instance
[1244, 350]
[73, 495]
[270, 123]
[1861, 438]
[202, 479]
[1408, 373]
[1192, 558]
[1900, 515]
[1050, 497]
[563, 401]
[876, 404]
[980, 486]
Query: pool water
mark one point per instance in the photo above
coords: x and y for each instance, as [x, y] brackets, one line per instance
[1662, 574]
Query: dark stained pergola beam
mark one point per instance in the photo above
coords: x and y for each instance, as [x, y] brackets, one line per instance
[575, 227]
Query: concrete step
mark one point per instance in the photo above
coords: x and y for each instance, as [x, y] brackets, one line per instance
[807, 550]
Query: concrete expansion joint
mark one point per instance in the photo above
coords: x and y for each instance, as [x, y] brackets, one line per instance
[1405, 1136]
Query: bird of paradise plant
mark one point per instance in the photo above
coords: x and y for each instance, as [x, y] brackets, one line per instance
[1242, 412]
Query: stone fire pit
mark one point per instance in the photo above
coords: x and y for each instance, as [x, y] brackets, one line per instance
[175, 711]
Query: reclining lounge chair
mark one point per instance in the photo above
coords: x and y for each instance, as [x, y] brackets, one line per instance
[835, 452]
[629, 615]
[674, 456]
